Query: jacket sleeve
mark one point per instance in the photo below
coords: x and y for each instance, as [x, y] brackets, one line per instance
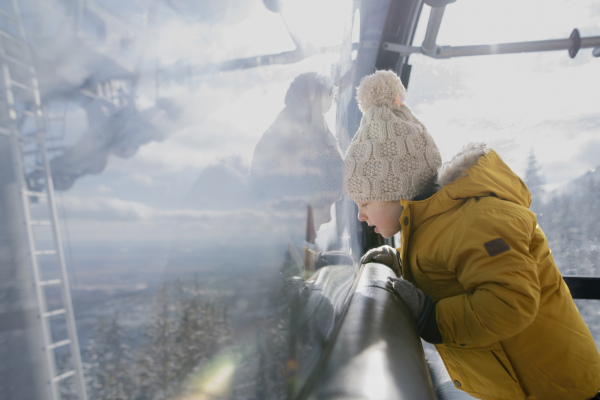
[488, 251]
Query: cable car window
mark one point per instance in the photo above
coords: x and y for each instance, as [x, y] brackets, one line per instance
[172, 215]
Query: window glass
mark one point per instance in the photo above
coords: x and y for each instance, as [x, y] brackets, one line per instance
[196, 171]
[194, 239]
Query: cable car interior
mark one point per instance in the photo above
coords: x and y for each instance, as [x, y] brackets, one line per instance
[173, 223]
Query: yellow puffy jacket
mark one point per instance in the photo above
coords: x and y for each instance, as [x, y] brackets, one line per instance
[509, 325]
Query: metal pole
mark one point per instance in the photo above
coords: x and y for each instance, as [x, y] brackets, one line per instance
[22, 370]
[518, 47]
[433, 28]
[66, 292]
[499, 48]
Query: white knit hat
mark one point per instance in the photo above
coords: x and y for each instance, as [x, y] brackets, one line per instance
[392, 156]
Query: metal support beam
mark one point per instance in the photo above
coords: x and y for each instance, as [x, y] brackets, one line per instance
[433, 28]
[489, 49]
[583, 287]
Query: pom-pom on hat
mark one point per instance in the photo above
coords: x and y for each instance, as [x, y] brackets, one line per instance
[383, 88]
[392, 156]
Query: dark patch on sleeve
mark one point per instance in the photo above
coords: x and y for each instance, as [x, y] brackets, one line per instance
[496, 246]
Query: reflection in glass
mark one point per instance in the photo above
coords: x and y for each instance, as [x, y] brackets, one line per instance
[186, 256]
[294, 179]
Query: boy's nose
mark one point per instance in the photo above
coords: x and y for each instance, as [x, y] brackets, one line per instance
[361, 217]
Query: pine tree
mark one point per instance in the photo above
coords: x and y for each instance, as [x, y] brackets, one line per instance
[203, 334]
[589, 209]
[198, 334]
[156, 359]
[188, 338]
[535, 182]
[108, 370]
[184, 333]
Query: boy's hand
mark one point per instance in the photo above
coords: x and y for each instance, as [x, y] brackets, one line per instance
[420, 306]
[386, 255]
[413, 297]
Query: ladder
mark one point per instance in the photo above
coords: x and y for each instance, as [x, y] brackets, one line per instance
[22, 119]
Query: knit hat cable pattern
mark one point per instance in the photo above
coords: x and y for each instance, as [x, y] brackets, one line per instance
[392, 156]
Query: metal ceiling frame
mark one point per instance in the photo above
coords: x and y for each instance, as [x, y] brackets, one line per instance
[430, 48]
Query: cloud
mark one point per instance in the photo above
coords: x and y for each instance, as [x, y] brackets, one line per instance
[483, 124]
[589, 153]
[572, 126]
[116, 209]
[435, 80]
[514, 107]
[111, 218]
[221, 116]
[143, 179]
[107, 209]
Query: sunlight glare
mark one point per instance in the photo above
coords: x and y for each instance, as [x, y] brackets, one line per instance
[317, 22]
[376, 365]
[213, 381]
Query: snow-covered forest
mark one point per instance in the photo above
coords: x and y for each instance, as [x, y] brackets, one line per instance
[192, 344]
[183, 333]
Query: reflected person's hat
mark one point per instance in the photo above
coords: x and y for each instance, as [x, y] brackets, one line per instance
[392, 156]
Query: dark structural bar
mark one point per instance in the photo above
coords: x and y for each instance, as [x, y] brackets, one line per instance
[583, 287]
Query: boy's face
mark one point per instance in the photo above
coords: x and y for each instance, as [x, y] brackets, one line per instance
[383, 215]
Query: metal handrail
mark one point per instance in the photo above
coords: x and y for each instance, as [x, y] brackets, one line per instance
[376, 352]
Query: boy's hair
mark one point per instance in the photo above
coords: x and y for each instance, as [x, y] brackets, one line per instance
[392, 156]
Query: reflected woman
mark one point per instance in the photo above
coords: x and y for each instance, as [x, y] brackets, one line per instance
[298, 162]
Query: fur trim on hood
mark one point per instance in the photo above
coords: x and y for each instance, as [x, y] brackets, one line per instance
[461, 162]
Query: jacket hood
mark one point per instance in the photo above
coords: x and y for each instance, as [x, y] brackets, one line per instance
[474, 172]
[480, 172]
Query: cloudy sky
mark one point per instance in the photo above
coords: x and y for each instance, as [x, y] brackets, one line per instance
[545, 102]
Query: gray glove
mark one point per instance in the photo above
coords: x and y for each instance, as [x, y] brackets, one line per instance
[414, 298]
[421, 307]
[386, 255]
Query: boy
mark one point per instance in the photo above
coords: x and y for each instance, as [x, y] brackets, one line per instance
[476, 271]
